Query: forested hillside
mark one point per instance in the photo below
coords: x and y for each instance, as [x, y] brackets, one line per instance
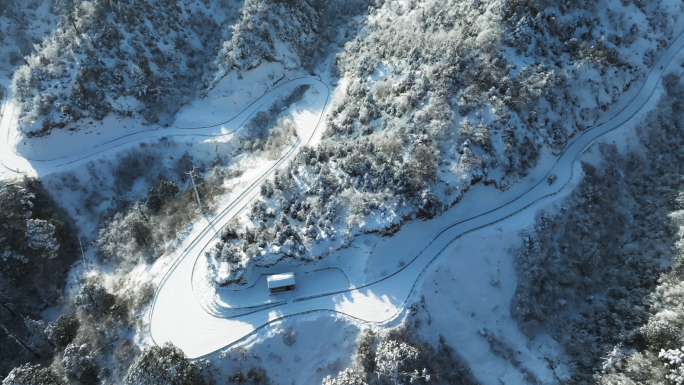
[22, 24]
[478, 92]
[125, 58]
[37, 246]
[427, 99]
[147, 59]
[602, 273]
[293, 33]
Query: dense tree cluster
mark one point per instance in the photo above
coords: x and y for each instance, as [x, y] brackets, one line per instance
[35, 262]
[161, 365]
[269, 132]
[33, 375]
[254, 375]
[148, 59]
[293, 33]
[128, 58]
[421, 117]
[137, 224]
[79, 364]
[591, 272]
[674, 360]
[401, 357]
[22, 24]
[326, 189]
[95, 300]
[37, 246]
[141, 230]
[61, 332]
[458, 66]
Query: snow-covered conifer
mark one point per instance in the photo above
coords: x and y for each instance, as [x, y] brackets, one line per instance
[63, 330]
[161, 365]
[33, 375]
[390, 357]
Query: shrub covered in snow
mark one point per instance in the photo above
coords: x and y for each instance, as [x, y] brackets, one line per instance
[390, 360]
[37, 246]
[401, 357]
[79, 364]
[33, 375]
[349, 376]
[674, 361]
[95, 300]
[63, 330]
[163, 365]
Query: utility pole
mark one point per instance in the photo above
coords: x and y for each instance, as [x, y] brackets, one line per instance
[82, 253]
[192, 178]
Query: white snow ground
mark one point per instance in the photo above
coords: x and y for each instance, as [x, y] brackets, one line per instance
[178, 315]
[46, 155]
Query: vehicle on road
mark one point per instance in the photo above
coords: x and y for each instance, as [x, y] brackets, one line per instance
[552, 178]
[280, 283]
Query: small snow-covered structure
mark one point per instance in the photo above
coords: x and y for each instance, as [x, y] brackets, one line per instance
[278, 283]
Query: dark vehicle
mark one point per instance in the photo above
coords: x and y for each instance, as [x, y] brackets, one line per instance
[551, 179]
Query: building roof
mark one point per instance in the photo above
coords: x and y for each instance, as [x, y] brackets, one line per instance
[282, 279]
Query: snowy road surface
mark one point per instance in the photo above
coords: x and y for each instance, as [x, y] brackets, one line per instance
[180, 316]
[233, 303]
[61, 149]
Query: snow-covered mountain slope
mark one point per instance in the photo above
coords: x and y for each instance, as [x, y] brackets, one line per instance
[293, 34]
[148, 59]
[417, 120]
[114, 57]
[439, 111]
[199, 330]
[600, 270]
[23, 24]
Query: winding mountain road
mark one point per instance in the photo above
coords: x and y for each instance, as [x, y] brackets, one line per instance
[52, 159]
[179, 316]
